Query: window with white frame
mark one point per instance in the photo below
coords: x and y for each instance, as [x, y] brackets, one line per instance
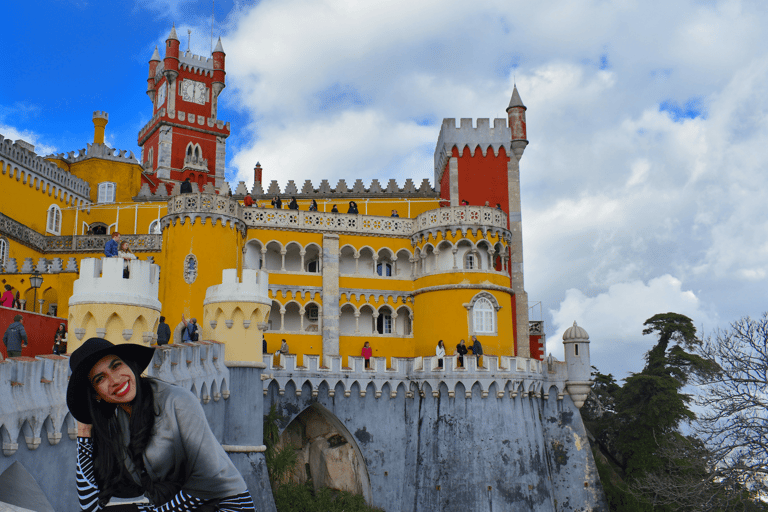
[384, 269]
[483, 316]
[384, 322]
[3, 252]
[53, 224]
[106, 192]
[470, 261]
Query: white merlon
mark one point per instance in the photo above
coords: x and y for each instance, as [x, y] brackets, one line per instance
[101, 281]
[254, 287]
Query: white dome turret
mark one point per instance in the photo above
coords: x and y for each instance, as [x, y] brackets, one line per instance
[576, 348]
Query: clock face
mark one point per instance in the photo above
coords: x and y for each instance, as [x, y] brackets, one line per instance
[192, 91]
[161, 96]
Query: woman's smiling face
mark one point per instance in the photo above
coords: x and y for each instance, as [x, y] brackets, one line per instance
[113, 380]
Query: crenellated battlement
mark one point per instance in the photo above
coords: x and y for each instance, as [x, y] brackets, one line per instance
[341, 191]
[195, 61]
[507, 375]
[35, 170]
[98, 151]
[482, 136]
[101, 281]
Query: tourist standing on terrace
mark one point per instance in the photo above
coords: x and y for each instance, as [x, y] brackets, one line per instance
[139, 436]
[440, 353]
[461, 350]
[15, 337]
[7, 299]
[60, 340]
[367, 353]
[111, 248]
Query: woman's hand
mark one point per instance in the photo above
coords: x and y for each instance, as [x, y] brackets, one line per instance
[83, 429]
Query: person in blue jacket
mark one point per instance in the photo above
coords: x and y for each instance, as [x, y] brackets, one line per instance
[112, 246]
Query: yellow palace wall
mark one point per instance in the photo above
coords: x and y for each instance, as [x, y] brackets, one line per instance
[215, 247]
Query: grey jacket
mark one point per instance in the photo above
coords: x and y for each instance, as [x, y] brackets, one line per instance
[183, 449]
[14, 336]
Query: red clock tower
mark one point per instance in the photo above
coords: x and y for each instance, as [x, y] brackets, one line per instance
[184, 138]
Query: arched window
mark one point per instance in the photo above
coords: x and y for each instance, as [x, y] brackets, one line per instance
[106, 192]
[470, 261]
[313, 266]
[190, 269]
[53, 225]
[3, 252]
[483, 316]
[384, 322]
[154, 227]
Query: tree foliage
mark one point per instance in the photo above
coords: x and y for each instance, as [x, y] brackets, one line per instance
[645, 462]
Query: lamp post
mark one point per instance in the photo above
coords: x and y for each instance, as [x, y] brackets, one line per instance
[36, 280]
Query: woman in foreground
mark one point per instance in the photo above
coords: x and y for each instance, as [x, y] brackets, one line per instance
[140, 436]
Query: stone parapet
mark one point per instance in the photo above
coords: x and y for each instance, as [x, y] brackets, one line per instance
[101, 281]
[300, 220]
[204, 207]
[96, 243]
[511, 375]
[46, 174]
[32, 392]
[461, 218]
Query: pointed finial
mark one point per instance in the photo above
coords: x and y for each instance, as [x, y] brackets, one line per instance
[515, 101]
[173, 35]
[155, 55]
[218, 48]
[189, 38]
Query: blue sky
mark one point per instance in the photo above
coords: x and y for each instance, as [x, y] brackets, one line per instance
[644, 181]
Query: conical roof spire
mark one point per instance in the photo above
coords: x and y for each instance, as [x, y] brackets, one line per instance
[515, 101]
[155, 55]
[219, 48]
[173, 35]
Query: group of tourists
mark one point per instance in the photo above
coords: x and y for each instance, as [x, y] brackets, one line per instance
[115, 249]
[461, 350]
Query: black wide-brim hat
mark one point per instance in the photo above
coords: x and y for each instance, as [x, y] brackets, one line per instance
[82, 360]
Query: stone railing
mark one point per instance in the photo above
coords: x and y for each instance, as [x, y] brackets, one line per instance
[96, 243]
[508, 375]
[266, 218]
[21, 233]
[204, 203]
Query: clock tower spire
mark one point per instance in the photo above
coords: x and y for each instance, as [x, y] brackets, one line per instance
[184, 138]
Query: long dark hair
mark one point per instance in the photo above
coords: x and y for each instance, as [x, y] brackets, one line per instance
[109, 453]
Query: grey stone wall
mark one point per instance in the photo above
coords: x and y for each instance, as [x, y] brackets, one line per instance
[457, 453]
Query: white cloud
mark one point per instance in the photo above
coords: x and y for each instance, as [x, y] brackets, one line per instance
[614, 320]
[14, 134]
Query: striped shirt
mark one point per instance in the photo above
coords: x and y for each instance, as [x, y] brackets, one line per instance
[88, 490]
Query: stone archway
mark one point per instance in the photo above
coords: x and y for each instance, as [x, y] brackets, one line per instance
[326, 452]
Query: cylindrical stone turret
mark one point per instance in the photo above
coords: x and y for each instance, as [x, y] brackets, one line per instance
[203, 234]
[100, 120]
[235, 312]
[576, 347]
[104, 304]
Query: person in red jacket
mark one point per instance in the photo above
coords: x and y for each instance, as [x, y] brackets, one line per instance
[367, 353]
[7, 299]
